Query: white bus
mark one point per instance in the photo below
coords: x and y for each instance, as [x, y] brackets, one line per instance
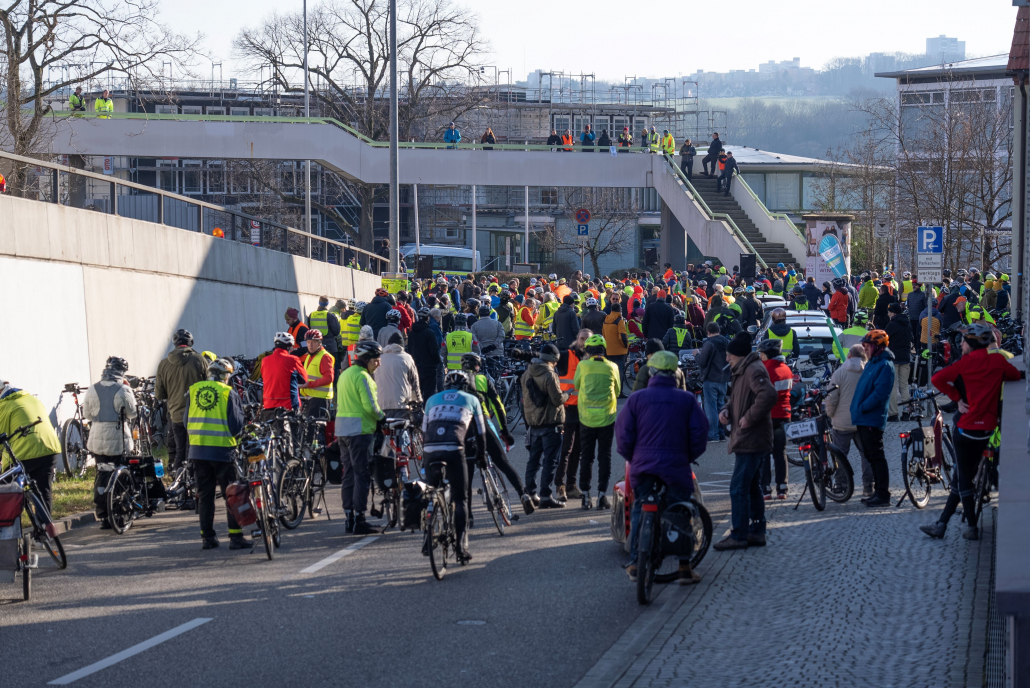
[453, 260]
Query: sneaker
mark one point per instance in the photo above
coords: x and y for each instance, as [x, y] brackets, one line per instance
[892, 419]
[527, 504]
[602, 502]
[868, 492]
[877, 502]
[361, 527]
[631, 571]
[559, 494]
[586, 502]
[756, 540]
[767, 494]
[549, 503]
[464, 557]
[781, 491]
[687, 575]
[240, 542]
[210, 543]
[971, 533]
[934, 530]
[729, 543]
[536, 499]
[573, 492]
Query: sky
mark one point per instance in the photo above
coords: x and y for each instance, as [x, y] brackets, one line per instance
[611, 40]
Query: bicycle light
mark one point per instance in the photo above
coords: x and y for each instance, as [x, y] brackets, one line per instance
[904, 435]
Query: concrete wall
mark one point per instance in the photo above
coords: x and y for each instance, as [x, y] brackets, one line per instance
[81, 286]
[777, 230]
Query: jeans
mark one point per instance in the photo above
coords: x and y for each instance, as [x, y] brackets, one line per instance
[843, 441]
[870, 443]
[778, 457]
[641, 491]
[715, 396]
[209, 474]
[568, 464]
[687, 166]
[714, 159]
[620, 361]
[601, 438]
[355, 455]
[969, 451]
[544, 447]
[900, 392]
[724, 178]
[748, 507]
[41, 471]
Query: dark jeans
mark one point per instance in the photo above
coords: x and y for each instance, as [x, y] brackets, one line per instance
[641, 492]
[713, 159]
[748, 508]
[41, 471]
[687, 165]
[182, 444]
[969, 451]
[778, 457]
[715, 397]
[451, 464]
[719, 182]
[601, 438]
[427, 382]
[209, 474]
[544, 447]
[355, 455]
[620, 361]
[568, 464]
[870, 443]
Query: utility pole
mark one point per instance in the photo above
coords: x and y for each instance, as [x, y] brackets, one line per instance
[307, 113]
[395, 231]
[474, 266]
[525, 245]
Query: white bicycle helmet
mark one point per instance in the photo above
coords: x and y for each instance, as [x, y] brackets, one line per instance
[284, 338]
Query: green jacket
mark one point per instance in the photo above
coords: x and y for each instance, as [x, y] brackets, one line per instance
[867, 295]
[357, 410]
[21, 408]
[180, 370]
[598, 388]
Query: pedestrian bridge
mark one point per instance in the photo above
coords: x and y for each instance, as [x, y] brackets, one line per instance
[340, 148]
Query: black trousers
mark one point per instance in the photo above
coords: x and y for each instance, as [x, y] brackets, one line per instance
[355, 454]
[100, 481]
[209, 475]
[778, 457]
[495, 448]
[568, 464]
[451, 464]
[427, 382]
[687, 165]
[601, 439]
[969, 451]
[870, 441]
[713, 159]
[41, 471]
[182, 444]
[719, 183]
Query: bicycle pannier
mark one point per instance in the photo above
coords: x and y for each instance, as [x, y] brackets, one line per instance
[333, 465]
[240, 503]
[677, 531]
[12, 500]
[413, 503]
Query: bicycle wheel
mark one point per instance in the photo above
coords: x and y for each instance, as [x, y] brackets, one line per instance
[799, 461]
[840, 480]
[503, 499]
[981, 484]
[814, 474]
[26, 572]
[491, 498]
[917, 481]
[947, 463]
[264, 523]
[316, 484]
[290, 494]
[72, 446]
[645, 561]
[120, 509]
[42, 527]
[436, 531]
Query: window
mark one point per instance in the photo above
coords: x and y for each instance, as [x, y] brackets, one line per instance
[452, 263]
[240, 182]
[192, 177]
[602, 122]
[215, 178]
[618, 123]
[450, 233]
[923, 98]
[166, 109]
[240, 111]
[216, 111]
[262, 112]
[168, 175]
[549, 196]
[192, 110]
[980, 95]
[781, 191]
[560, 124]
[288, 178]
[757, 184]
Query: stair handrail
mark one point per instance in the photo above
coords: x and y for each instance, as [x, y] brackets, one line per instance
[771, 215]
[696, 197]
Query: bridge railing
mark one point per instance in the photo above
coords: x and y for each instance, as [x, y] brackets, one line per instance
[64, 185]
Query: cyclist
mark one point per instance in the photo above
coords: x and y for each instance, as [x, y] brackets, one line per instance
[452, 417]
[181, 368]
[661, 431]
[282, 374]
[317, 393]
[497, 430]
[214, 418]
[975, 382]
[779, 329]
[107, 405]
[357, 417]
[392, 331]
[38, 449]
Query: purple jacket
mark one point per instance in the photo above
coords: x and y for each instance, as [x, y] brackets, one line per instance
[661, 430]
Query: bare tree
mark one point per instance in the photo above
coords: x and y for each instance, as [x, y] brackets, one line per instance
[349, 60]
[79, 41]
[612, 223]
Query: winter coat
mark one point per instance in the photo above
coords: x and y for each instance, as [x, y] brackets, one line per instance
[593, 320]
[110, 438]
[711, 361]
[424, 346]
[714, 148]
[658, 318]
[387, 333]
[604, 139]
[374, 314]
[873, 392]
[18, 408]
[176, 373]
[916, 303]
[839, 306]
[752, 398]
[616, 334]
[660, 431]
[880, 317]
[545, 377]
[644, 376]
[814, 295]
[752, 311]
[396, 379]
[565, 326]
[899, 337]
[489, 332]
[838, 402]
[867, 295]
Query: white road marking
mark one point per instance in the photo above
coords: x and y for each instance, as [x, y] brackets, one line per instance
[341, 554]
[125, 654]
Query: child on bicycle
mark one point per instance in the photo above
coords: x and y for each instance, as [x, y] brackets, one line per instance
[975, 382]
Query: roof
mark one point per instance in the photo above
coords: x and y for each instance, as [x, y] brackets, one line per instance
[1019, 55]
[756, 159]
[980, 65]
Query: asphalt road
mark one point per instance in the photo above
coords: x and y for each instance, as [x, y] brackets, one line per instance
[536, 607]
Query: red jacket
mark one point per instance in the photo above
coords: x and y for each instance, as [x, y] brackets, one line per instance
[839, 306]
[782, 379]
[981, 374]
[407, 317]
[282, 375]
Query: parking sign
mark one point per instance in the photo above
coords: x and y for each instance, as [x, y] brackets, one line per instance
[931, 240]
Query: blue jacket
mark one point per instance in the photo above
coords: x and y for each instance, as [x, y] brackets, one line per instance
[452, 135]
[660, 431]
[873, 391]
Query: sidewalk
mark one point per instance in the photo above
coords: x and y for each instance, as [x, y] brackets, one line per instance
[845, 597]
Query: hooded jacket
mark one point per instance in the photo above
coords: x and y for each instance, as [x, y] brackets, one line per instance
[661, 431]
[176, 373]
[814, 295]
[565, 326]
[114, 437]
[374, 314]
[752, 398]
[873, 391]
[396, 379]
[838, 402]
[388, 332]
[867, 295]
[545, 377]
[424, 346]
[899, 335]
[711, 361]
[782, 330]
[18, 408]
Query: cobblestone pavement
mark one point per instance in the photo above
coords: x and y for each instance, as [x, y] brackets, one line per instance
[846, 597]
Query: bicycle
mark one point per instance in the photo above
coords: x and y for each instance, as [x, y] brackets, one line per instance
[254, 469]
[289, 479]
[828, 473]
[984, 471]
[440, 541]
[495, 494]
[924, 468]
[399, 451]
[74, 435]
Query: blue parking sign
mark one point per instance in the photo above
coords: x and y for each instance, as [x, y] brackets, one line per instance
[584, 230]
[931, 240]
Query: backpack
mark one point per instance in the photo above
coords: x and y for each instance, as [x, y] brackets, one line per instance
[536, 395]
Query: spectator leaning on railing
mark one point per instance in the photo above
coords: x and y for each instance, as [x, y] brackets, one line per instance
[452, 136]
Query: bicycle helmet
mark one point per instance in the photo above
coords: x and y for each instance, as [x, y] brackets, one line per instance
[461, 321]
[484, 311]
[551, 277]
[876, 338]
[367, 349]
[946, 272]
[182, 338]
[284, 339]
[838, 282]
[906, 275]
[423, 313]
[472, 303]
[312, 333]
[457, 379]
[359, 306]
[393, 316]
[663, 363]
[118, 365]
[798, 289]
[211, 356]
[861, 317]
[591, 302]
[471, 361]
[978, 334]
[678, 319]
[771, 347]
[221, 368]
[779, 315]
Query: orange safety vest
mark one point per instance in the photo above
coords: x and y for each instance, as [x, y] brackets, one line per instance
[567, 140]
[565, 383]
[722, 164]
[294, 329]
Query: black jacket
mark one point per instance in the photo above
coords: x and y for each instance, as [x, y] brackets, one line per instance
[593, 320]
[814, 295]
[565, 326]
[916, 303]
[553, 140]
[658, 317]
[711, 361]
[374, 314]
[729, 165]
[880, 316]
[899, 338]
[714, 148]
[604, 140]
[423, 347]
[752, 311]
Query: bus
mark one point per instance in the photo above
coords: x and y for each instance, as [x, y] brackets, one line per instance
[452, 260]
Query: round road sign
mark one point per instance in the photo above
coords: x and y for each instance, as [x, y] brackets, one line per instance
[582, 216]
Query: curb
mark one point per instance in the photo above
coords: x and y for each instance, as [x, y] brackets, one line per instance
[74, 521]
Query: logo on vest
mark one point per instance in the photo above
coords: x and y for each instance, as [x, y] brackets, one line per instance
[207, 399]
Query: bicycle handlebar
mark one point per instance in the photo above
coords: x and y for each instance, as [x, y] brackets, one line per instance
[20, 432]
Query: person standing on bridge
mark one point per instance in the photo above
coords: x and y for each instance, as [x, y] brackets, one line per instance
[668, 144]
[727, 166]
[104, 106]
[714, 148]
[586, 139]
[452, 136]
[687, 154]
[654, 141]
[553, 140]
[625, 138]
[76, 103]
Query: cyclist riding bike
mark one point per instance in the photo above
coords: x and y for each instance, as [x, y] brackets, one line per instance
[497, 428]
[975, 382]
[452, 417]
[661, 431]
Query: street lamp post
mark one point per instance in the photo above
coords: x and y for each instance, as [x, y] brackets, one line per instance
[395, 233]
[307, 113]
